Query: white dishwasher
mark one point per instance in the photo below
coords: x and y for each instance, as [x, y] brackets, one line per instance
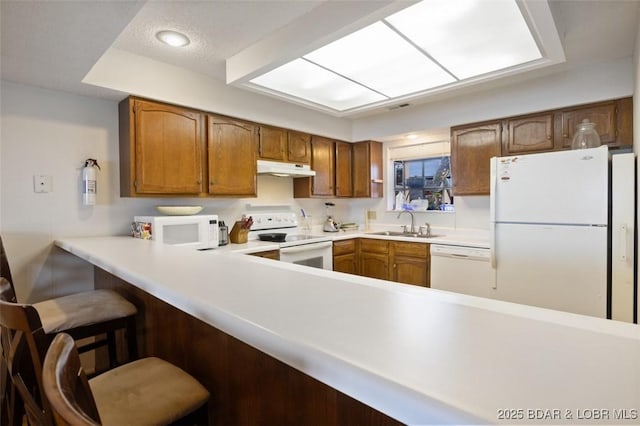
[462, 270]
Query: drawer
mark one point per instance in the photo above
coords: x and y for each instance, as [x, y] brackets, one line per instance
[344, 247]
[411, 249]
[374, 246]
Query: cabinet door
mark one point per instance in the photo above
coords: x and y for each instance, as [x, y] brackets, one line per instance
[272, 143]
[529, 134]
[322, 162]
[345, 263]
[471, 149]
[604, 117]
[410, 270]
[299, 147]
[374, 265]
[343, 169]
[232, 149]
[367, 169]
[168, 149]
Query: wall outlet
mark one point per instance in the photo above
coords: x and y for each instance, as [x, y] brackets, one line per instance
[42, 183]
[371, 215]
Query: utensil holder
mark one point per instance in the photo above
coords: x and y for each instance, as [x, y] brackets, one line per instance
[238, 234]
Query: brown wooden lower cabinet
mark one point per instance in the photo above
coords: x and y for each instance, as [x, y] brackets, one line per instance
[268, 254]
[410, 263]
[247, 386]
[374, 258]
[399, 261]
[345, 257]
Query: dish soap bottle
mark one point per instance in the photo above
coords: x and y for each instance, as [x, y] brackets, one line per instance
[399, 200]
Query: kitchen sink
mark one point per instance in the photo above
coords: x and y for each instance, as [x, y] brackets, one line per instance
[404, 234]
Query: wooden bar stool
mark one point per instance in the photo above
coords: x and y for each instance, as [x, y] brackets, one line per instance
[148, 391]
[86, 314]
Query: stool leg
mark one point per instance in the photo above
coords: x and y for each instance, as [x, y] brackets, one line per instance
[132, 341]
[111, 346]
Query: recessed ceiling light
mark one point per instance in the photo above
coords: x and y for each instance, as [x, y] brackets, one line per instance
[412, 136]
[173, 38]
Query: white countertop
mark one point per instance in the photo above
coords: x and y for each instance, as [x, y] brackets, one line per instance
[419, 355]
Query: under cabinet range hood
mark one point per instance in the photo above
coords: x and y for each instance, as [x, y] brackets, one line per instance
[277, 168]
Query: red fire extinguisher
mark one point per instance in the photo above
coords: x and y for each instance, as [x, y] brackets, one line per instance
[89, 181]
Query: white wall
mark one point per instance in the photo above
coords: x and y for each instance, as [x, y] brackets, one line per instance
[157, 80]
[46, 132]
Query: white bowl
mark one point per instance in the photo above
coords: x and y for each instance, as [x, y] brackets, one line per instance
[179, 210]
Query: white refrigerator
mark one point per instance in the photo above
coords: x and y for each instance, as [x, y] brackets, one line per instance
[555, 241]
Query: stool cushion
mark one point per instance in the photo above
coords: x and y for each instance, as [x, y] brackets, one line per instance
[148, 391]
[86, 308]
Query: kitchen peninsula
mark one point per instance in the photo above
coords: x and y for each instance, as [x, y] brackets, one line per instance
[419, 356]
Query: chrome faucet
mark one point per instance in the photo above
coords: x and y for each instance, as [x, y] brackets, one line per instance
[413, 226]
[428, 230]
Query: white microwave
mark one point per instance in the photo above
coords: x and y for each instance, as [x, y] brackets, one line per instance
[197, 231]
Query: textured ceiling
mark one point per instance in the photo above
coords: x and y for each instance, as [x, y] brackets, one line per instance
[218, 30]
[53, 44]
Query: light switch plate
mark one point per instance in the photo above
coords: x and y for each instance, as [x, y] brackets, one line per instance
[42, 183]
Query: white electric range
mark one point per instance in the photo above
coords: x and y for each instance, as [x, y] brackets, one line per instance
[297, 245]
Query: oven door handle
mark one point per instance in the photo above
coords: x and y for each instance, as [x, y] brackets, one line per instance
[305, 247]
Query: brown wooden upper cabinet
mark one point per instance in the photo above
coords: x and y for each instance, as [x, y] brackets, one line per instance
[344, 154]
[342, 169]
[161, 149]
[367, 169]
[277, 144]
[528, 134]
[472, 147]
[299, 147]
[232, 156]
[613, 120]
[323, 163]
[272, 143]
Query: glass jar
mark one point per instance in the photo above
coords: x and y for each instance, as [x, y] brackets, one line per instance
[586, 136]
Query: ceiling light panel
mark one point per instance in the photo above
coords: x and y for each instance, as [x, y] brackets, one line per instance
[378, 58]
[469, 37]
[305, 80]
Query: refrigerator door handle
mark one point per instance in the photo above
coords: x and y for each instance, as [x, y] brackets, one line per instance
[492, 211]
[624, 237]
[493, 185]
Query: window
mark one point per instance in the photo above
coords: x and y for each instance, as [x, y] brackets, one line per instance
[423, 184]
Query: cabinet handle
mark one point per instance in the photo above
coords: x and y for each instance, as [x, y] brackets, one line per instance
[565, 136]
[548, 138]
[212, 182]
[395, 266]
